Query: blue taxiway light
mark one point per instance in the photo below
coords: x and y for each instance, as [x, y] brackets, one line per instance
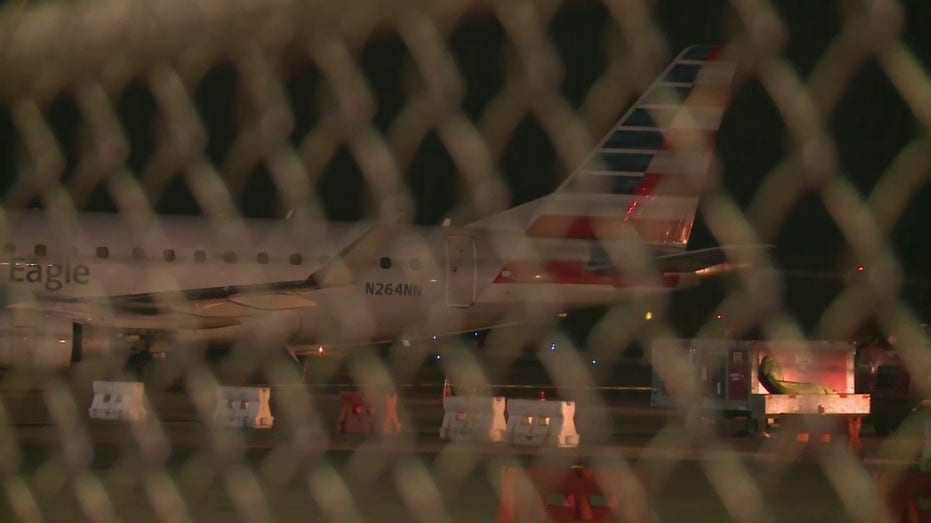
[552, 347]
[594, 362]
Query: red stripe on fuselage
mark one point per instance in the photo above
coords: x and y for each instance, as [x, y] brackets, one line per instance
[649, 230]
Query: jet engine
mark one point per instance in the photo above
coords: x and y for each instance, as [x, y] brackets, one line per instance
[47, 341]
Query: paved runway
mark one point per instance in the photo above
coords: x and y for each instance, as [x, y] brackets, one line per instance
[294, 464]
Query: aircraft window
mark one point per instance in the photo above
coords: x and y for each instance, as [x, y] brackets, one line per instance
[229, 257]
[103, 252]
[8, 248]
[168, 255]
[138, 253]
[262, 258]
[41, 250]
[200, 256]
[384, 262]
[295, 259]
[415, 264]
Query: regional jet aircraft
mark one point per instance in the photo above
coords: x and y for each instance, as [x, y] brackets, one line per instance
[617, 226]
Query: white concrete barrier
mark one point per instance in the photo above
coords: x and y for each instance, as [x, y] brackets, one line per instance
[473, 418]
[121, 400]
[539, 422]
[244, 407]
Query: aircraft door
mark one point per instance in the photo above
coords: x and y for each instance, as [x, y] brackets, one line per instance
[460, 271]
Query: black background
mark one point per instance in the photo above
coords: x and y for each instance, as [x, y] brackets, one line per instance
[870, 126]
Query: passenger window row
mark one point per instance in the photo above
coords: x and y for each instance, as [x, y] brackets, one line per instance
[168, 255]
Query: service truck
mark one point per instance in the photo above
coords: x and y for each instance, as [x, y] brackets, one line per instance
[760, 380]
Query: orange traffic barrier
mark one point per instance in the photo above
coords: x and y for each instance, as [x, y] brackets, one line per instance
[814, 441]
[902, 493]
[386, 414]
[854, 424]
[355, 416]
[573, 494]
[360, 413]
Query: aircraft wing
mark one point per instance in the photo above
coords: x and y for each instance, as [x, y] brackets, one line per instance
[357, 256]
[106, 316]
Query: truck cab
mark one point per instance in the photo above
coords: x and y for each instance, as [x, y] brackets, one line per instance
[881, 373]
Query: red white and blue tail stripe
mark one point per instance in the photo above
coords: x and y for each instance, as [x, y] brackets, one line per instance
[645, 177]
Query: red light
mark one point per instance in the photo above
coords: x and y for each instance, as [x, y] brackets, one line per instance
[859, 268]
[719, 316]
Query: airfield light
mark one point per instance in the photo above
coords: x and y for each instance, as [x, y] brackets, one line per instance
[860, 268]
[320, 349]
[434, 337]
[594, 362]
[552, 347]
[437, 357]
[563, 314]
[719, 316]
[475, 334]
[648, 315]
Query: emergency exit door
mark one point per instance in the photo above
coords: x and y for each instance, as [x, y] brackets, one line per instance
[460, 271]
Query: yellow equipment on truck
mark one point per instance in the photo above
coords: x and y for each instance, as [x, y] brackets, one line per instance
[758, 379]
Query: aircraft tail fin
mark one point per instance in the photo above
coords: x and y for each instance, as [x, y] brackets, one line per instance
[646, 175]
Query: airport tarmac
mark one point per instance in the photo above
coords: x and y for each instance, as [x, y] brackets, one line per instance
[301, 475]
[307, 471]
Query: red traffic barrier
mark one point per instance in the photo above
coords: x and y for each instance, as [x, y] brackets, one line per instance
[361, 413]
[573, 494]
[355, 416]
[902, 492]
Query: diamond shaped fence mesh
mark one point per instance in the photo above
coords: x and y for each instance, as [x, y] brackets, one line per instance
[312, 139]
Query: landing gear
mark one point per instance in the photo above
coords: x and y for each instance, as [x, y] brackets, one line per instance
[137, 363]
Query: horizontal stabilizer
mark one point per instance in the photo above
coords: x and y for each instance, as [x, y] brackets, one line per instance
[711, 260]
[701, 262]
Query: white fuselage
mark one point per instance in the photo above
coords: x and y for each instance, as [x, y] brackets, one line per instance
[424, 281]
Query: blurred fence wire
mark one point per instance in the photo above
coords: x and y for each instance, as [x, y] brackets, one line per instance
[242, 108]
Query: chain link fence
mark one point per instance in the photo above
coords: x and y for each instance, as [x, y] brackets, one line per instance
[457, 110]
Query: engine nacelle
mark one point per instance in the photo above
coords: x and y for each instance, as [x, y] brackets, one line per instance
[46, 341]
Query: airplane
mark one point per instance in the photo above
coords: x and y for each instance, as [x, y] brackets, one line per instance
[617, 227]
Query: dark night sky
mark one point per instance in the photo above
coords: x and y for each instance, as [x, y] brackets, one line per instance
[870, 125]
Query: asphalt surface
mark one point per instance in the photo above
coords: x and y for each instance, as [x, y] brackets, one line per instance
[46, 437]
